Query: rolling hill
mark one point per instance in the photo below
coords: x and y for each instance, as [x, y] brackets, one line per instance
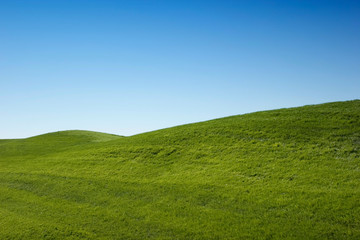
[281, 174]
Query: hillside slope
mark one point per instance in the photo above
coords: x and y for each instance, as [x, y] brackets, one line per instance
[51, 142]
[287, 173]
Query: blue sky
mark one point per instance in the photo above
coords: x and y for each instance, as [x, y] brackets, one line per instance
[127, 67]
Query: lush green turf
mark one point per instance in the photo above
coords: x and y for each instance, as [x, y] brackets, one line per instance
[282, 174]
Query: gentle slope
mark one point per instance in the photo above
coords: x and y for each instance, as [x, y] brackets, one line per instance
[282, 174]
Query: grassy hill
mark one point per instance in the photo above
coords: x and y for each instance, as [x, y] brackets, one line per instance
[282, 174]
[51, 143]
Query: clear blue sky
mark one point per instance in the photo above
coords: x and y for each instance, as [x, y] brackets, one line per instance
[127, 67]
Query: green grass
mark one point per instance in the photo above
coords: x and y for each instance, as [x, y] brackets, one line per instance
[282, 174]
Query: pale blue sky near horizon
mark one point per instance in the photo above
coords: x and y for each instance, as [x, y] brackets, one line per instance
[127, 67]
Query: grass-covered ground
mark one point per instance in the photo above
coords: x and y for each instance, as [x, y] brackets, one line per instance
[282, 174]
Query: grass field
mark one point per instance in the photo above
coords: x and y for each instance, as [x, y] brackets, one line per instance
[282, 174]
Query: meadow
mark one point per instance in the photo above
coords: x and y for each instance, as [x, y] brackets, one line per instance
[282, 174]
